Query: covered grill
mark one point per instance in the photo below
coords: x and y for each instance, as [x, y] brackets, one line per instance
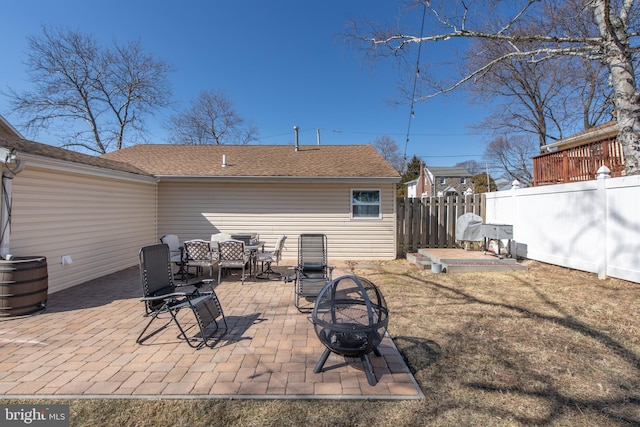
[350, 318]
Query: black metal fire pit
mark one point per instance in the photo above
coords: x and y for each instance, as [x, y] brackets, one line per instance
[350, 318]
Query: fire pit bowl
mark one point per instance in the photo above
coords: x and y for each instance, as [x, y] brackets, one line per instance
[350, 318]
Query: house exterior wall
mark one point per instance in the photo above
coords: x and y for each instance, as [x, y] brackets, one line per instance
[100, 219]
[193, 209]
[411, 189]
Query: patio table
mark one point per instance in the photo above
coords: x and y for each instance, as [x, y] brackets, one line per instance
[253, 250]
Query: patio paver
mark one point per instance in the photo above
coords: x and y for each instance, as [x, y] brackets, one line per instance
[84, 346]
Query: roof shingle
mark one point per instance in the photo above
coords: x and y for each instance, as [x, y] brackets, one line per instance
[448, 171]
[256, 160]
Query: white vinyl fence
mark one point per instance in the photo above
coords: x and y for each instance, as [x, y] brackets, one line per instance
[591, 226]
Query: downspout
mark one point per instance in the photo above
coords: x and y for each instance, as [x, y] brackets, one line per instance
[7, 177]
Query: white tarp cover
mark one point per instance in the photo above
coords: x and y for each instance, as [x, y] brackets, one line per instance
[469, 228]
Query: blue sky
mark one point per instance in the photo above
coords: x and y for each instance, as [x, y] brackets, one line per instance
[278, 61]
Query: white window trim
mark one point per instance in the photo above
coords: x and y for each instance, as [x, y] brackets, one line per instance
[366, 218]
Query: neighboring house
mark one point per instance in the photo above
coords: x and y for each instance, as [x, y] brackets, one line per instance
[578, 157]
[7, 130]
[444, 181]
[101, 210]
[503, 184]
[412, 187]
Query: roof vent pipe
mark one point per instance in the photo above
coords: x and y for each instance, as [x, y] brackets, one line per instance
[224, 160]
[295, 130]
[318, 135]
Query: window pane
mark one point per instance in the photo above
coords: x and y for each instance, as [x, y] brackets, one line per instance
[365, 203]
[366, 211]
[366, 196]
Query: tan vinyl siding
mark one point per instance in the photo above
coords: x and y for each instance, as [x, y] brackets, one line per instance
[198, 209]
[101, 223]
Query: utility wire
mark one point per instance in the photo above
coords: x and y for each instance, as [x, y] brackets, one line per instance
[415, 82]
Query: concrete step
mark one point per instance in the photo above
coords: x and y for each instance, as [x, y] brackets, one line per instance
[419, 260]
[461, 261]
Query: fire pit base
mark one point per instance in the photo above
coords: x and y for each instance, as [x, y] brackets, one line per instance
[368, 369]
[350, 318]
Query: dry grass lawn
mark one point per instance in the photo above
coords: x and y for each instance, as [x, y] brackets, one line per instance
[545, 347]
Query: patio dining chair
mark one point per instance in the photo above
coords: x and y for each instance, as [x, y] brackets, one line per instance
[269, 257]
[164, 299]
[176, 251]
[312, 271]
[231, 254]
[199, 254]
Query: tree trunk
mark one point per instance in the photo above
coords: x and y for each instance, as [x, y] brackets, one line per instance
[614, 32]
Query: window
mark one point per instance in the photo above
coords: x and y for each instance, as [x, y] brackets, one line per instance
[442, 180]
[463, 180]
[365, 204]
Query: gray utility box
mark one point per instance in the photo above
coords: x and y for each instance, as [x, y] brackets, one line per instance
[497, 232]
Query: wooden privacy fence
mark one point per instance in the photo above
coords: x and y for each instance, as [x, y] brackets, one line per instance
[431, 222]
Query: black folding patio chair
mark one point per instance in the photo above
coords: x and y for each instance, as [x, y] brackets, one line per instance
[164, 299]
[312, 271]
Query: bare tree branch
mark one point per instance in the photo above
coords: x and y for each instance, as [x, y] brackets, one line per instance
[210, 119]
[97, 98]
[527, 28]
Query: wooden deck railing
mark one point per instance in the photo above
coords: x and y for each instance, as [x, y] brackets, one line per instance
[578, 163]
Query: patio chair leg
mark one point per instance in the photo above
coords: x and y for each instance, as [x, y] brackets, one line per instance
[268, 273]
[142, 339]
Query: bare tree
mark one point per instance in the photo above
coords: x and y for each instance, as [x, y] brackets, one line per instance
[210, 119]
[511, 156]
[471, 165]
[529, 94]
[97, 98]
[586, 77]
[526, 23]
[547, 99]
[388, 148]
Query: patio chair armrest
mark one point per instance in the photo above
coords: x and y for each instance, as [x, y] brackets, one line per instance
[165, 296]
[206, 286]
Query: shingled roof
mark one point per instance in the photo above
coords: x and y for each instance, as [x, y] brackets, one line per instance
[449, 171]
[321, 161]
[38, 149]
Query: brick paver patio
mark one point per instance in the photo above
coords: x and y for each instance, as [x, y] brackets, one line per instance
[84, 345]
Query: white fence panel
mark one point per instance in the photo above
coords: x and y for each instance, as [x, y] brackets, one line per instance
[591, 226]
[623, 233]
